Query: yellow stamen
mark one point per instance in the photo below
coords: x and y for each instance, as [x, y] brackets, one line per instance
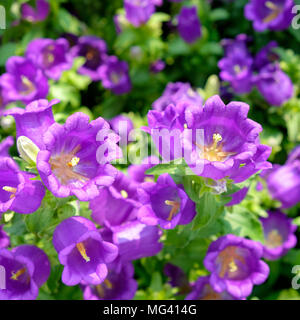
[274, 239]
[175, 207]
[16, 275]
[124, 194]
[275, 12]
[210, 294]
[74, 162]
[108, 284]
[100, 290]
[114, 78]
[11, 190]
[80, 247]
[228, 258]
[29, 86]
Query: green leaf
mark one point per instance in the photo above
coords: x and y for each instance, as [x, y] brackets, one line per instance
[7, 50]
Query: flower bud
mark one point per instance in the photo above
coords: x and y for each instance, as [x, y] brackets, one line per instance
[27, 149]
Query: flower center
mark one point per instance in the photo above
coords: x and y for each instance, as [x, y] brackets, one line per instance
[10, 190]
[210, 294]
[115, 77]
[214, 151]
[100, 288]
[64, 166]
[124, 194]
[91, 53]
[16, 275]
[27, 86]
[81, 248]
[274, 239]
[228, 258]
[275, 11]
[175, 205]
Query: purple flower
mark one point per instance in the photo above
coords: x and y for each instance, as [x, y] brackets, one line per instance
[157, 66]
[238, 197]
[114, 76]
[135, 240]
[50, 55]
[164, 203]
[23, 81]
[4, 238]
[137, 172]
[27, 268]
[177, 278]
[33, 121]
[189, 26]
[122, 125]
[75, 161]
[94, 50]
[284, 182]
[82, 251]
[138, 12]
[17, 191]
[236, 46]
[294, 155]
[275, 86]
[118, 285]
[115, 204]
[279, 235]
[266, 56]
[30, 14]
[230, 146]
[235, 265]
[202, 290]
[3, 101]
[5, 146]
[270, 14]
[175, 93]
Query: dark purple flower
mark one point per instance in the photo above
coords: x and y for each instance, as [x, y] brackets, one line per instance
[237, 197]
[274, 85]
[4, 238]
[114, 76]
[33, 121]
[189, 26]
[34, 15]
[27, 268]
[177, 278]
[17, 191]
[93, 49]
[115, 204]
[50, 55]
[266, 56]
[118, 285]
[138, 12]
[175, 93]
[270, 14]
[202, 290]
[164, 203]
[23, 81]
[229, 146]
[157, 66]
[76, 157]
[279, 235]
[136, 240]
[235, 265]
[122, 125]
[5, 146]
[82, 251]
[137, 172]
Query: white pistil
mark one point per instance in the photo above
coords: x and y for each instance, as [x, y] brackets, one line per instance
[10, 190]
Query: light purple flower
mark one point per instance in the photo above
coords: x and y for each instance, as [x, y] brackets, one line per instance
[115, 204]
[164, 204]
[4, 238]
[279, 235]
[50, 55]
[27, 268]
[118, 285]
[189, 26]
[5, 146]
[33, 121]
[114, 76]
[274, 85]
[94, 50]
[75, 161]
[138, 12]
[202, 290]
[235, 265]
[270, 14]
[177, 92]
[122, 125]
[17, 191]
[23, 81]
[82, 251]
[34, 15]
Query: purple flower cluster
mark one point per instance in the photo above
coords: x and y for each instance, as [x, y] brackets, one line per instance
[243, 72]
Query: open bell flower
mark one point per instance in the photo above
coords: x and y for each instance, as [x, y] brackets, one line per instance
[35, 15]
[82, 251]
[138, 12]
[235, 265]
[279, 235]
[23, 81]
[164, 204]
[17, 191]
[118, 285]
[27, 268]
[76, 160]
